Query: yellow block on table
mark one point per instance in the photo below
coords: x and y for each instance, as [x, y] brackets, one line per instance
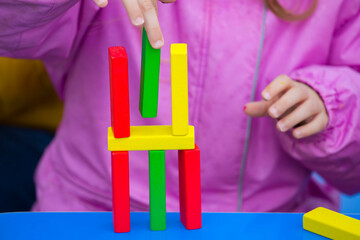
[151, 138]
[331, 224]
[179, 89]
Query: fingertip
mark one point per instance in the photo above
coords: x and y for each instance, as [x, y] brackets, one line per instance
[273, 112]
[167, 1]
[245, 110]
[252, 110]
[138, 21]
[297, 134]
[155, 36]
[158, 44]
[101, 3]
[281, 126]
[266, 95]
[255, 109]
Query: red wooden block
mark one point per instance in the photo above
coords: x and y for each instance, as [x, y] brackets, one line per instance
[119, 92]
[120, 191]
[190, 188]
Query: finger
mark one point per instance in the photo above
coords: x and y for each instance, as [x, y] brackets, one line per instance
[301, 113]
[152, 26]
[167, 1]
[256, 109]
[276, 87]
[101, 3]
[259, 108]
[134, 12]
[292, 97]
[318, 124]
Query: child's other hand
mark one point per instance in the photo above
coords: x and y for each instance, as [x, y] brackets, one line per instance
[293, 104]
[143, 12]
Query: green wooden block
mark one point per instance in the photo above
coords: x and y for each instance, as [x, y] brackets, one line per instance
[157, 188]
[149, 81]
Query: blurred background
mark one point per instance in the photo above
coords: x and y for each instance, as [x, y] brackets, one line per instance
[30, 112]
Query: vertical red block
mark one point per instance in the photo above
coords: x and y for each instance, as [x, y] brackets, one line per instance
[119, 92]
[190, 188]
[120, 191]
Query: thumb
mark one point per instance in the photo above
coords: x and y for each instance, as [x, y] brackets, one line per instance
[257, 109]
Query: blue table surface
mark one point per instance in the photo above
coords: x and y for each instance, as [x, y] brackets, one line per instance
[98, 225]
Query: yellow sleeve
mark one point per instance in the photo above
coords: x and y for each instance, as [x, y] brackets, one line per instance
[27, 97]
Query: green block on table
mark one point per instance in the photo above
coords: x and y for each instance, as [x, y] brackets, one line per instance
[157, 188]
[149, 80]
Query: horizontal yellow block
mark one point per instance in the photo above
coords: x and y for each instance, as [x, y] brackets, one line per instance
[331, 224]
[151, 138]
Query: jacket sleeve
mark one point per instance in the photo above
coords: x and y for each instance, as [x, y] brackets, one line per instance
[42, 29]
[335, 152]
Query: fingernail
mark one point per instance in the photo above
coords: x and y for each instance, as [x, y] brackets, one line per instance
[281, 126]
[101, 3]
[266, 95]
[244, 107]
[298, 134]
[158, 44]
[274, 112]
[139, 21]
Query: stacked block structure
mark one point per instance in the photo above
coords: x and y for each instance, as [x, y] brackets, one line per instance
[123, 138]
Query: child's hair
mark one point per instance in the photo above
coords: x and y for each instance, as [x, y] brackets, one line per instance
[285, 14]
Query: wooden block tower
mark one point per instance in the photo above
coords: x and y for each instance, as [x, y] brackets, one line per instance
[156, 139]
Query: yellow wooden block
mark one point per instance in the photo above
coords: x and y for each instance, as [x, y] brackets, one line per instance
[151, 138]
[331, 224]
[179, 89]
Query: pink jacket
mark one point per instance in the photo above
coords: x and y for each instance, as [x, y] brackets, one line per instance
[235, 50]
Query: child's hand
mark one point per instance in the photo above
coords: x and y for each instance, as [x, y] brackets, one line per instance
[293, 104]
[143, 12]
